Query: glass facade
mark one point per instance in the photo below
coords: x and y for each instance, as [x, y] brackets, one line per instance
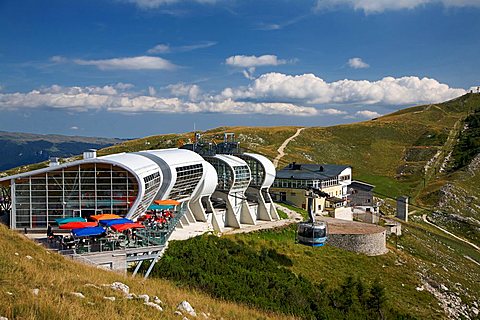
[80, 190]
[188, 178]
[152, 183]
[257, 171]
[302, 184]
[242, 177]
[226, 175]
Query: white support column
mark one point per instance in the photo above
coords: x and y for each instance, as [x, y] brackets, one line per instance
[196, 207]
[246, 215]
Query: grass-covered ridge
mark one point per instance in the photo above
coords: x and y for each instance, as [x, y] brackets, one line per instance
[242, 267]
[25, 266]
[235, 271]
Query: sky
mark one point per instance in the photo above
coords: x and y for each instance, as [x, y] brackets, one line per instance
[133, 68]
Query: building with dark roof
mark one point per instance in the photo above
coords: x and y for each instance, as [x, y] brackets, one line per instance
[292, 181]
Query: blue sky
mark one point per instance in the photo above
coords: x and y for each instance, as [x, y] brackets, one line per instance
[130, 68]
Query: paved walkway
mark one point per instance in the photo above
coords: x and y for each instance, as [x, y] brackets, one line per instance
[198, 228]
[281, 149]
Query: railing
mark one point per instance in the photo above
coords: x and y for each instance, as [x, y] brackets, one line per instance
[141, 238]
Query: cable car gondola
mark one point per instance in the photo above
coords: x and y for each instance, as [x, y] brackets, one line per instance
[312, 233]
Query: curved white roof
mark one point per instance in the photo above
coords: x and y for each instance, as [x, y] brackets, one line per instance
[134, 163]
[176, 157]
[232, 161]
[270, 171]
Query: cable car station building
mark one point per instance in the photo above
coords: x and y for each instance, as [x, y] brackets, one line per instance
[292, 181]
[126, 184]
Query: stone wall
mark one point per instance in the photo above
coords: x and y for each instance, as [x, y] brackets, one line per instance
[372, 244]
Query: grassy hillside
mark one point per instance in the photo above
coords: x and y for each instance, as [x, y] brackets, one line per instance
[411, 152]
[25, 266]
[421, 263]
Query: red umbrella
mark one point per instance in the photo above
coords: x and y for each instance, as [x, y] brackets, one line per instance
[77, 225]
[125, 226]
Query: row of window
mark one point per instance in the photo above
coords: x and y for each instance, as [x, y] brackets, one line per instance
[188, 178]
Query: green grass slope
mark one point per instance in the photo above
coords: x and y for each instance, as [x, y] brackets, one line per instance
[25, 266]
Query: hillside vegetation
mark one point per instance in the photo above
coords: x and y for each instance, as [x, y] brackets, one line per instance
[426, 152]
[25, 266]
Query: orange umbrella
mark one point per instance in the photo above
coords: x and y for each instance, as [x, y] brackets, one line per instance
[167, 202]
[106, 216]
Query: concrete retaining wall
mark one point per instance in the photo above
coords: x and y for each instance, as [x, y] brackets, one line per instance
[372, 244]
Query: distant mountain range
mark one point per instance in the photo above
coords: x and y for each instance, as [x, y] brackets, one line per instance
[19, 149]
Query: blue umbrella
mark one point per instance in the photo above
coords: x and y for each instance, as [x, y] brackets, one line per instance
[88, 232]
[111, 222]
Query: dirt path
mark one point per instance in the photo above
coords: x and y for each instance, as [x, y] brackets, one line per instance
[281, 149]
[449, 233]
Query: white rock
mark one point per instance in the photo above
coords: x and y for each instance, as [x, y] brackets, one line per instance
[109, 298]
[443, 287]
[3, 318]
[120, 287]
[131, 296]
[420, 288]
[184, 306]
[475, 311]
[9, 293]
[77, 294]
[29, 257]
[185, 318]
[145, 297]
[157, 300]
[16, 253]
[153, 305]
[35, 291]
[177, 313]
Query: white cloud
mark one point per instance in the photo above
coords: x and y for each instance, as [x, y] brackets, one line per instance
[377, 6]
[159, 48]
[309, 89]
[151, 91]
[131, 63]
[185, 90]
[105, 98]
[165, 48]
[254, 61]
[332, 112]
[152, 4]
[357, 63]
[74, 128]
[368, 114]
[58, 59]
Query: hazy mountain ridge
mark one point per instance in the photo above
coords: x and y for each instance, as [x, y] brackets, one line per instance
[26, 148]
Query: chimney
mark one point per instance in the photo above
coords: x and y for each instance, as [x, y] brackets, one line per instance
[54, 161]
[90, 154]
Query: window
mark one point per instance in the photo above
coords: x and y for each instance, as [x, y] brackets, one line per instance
[188, 178]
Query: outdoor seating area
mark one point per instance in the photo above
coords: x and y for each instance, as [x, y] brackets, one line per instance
[108, 232]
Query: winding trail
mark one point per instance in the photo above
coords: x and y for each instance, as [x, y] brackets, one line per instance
[281, 149]
[450, 234]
